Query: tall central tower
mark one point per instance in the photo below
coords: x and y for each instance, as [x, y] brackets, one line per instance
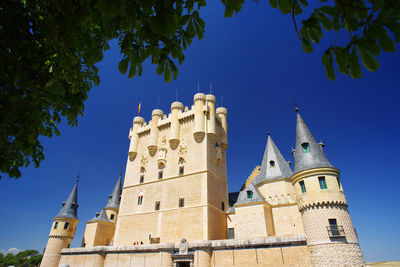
[175, 182]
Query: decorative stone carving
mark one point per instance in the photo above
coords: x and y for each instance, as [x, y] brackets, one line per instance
[162, 153]
[183, 247]
[182, 149]
[144, 160]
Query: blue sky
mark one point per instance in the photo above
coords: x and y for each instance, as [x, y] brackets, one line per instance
[254, 61]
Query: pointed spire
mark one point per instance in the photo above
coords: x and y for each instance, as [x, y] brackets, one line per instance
[249, 195]
[100, 217]
[308, 153]
[115, 197]
[273, 165]
[70, 207]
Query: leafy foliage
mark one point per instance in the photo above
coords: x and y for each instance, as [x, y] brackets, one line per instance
[27, 258]
[48, 52]
[370, 24]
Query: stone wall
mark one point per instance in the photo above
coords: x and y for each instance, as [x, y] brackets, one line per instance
[266, 251]
[336, 254]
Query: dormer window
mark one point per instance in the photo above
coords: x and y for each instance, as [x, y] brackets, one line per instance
[306, 148]
[272, 163]
[249, 194]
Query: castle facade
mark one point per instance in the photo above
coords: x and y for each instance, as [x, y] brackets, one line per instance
[174, 208]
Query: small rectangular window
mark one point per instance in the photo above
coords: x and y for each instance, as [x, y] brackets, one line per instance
[181, 170]
[112, 217]
[141, 179]
[322, 182]
[334, 227]
[338, 182]
[157, 205]
[68, 245]
[66, 225]
[160, 175]
[303, 186]
[306, 148]
[140, 200]
[231, 233]
[55, 225]
[222, 205]
[249, 194]
[181, 202]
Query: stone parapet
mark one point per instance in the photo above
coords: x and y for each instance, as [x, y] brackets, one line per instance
[275, 241]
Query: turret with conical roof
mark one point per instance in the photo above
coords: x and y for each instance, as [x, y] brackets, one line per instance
[115, 197]
[63, 229]
[308, 153]
[273, 165]
[322, 204]
[70, 207]
[100, 229]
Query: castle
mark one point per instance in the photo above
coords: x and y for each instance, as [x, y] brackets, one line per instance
[174, 208]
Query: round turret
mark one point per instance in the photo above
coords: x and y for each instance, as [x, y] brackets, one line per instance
[199, 108]
[176, 108]
[138, 122]
[156, 115]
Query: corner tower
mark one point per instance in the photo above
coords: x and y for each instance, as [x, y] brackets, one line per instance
[331, 237]
[62, 230]
[175, 184]
[100, 230]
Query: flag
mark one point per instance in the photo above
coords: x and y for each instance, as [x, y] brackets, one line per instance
[138, 109]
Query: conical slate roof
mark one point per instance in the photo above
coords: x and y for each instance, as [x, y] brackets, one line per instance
[115, 197]
[273, 166]
[244, 196]
[100, 217]
[70, 207]
[308, 156]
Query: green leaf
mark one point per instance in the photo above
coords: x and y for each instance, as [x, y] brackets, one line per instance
[327, 61]
[190, 29]
[132, 71]
[123, 65]
[160, 67]
[303, 2]
[328, 10]
[386, 42]
[273, 3]
[285, 6]
[355, 68]
[368, 60]
[167, 74]
[306, 45]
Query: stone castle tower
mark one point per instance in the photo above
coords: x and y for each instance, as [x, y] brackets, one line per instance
[331, 237]
[175, 183]
[62, 230]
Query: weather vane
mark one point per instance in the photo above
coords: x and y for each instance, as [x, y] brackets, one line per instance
[77, 177]
[294, 104]
[268, 131]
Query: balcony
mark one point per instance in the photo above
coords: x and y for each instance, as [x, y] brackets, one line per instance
[335, 231]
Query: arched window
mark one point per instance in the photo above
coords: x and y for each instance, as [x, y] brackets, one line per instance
[140, 198]
[142, 172]
[181, 164]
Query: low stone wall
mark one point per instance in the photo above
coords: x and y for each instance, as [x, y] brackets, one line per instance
[268, 251]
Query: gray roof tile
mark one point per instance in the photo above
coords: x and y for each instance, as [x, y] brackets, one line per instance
[315, 158]
[70, 207]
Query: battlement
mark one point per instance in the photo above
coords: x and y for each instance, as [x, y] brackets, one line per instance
[203, 117]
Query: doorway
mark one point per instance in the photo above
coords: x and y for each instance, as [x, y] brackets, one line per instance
[183, 264]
